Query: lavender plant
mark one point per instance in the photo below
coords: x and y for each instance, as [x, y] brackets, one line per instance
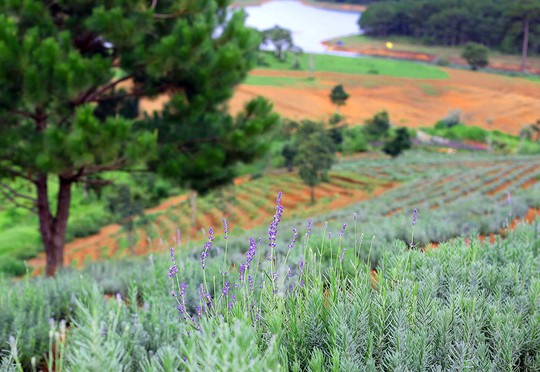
[463, 306]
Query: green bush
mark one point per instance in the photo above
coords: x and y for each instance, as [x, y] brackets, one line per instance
[10, 266]
[377, 126]
[354, 141]
[81, 225]
[441, 61]
[476, 55]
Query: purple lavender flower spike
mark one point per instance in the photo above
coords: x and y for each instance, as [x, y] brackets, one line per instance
[225, 290]
[199, 311]
[342, 254]
[273, 229]
[309, 226]
[208, 299]
[290, 272]
[225, 228]
[173, 270]
[250, 281]
[242, 271]
[207, 247]
[251, 252]
[414, 217]
[293, 240]
[342, 231]
[183, 286]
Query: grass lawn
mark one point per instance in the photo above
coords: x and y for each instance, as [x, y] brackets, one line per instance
[361, 66]
[408, 44]
[280, 81]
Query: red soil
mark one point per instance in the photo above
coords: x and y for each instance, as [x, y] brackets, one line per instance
[487, 100]
[296, 201]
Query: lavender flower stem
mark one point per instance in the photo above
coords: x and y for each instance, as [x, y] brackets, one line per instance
[226, 229]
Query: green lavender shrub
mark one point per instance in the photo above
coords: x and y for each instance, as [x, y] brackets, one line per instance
[296, 300]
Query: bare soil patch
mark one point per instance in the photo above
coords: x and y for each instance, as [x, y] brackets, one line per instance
[487, 100]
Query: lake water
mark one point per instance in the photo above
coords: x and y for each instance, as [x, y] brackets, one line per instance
[310, 26]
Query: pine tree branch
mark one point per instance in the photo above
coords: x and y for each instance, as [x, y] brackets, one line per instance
[168, 16]
[13, 198]
[15, 193]
[25, 114]
[17, 173]
[106, 87]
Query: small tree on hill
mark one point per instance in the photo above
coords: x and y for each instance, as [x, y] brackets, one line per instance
[281, 38]
[126, 205]
[289, 153]
[476, 55]
[378, 125]
[316, 154]
[401, 142]
[338, 96]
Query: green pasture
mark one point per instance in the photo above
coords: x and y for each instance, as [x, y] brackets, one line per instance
[281, 81]
[360, 66]
[415, 45]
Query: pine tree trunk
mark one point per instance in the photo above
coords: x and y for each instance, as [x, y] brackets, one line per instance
[312, 194]
[525, 47]
[53, 228]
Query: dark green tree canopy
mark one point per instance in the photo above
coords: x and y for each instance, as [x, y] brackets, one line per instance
[316, 154]
[476, 55]
[338, 96]
[498, 24]
[378, 126]
[71, 73]
[401, 142]
[280, 38]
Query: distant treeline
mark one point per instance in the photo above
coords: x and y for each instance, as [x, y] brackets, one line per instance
[495, 23]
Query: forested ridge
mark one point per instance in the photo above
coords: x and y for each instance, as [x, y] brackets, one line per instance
[498, 24]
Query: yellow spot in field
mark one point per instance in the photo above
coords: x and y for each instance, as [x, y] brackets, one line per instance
[389, 45]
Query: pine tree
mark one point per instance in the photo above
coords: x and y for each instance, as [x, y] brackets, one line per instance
[316, 154]
[71, 73]
[527, 12]
[338, 96]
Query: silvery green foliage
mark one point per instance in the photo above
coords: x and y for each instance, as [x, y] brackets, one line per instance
[100, 337]
[28, 305]
[221, 346]
[464, 306]
[460, 307]
[9, 358]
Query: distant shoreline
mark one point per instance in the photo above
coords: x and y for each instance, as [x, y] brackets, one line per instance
[313, 3]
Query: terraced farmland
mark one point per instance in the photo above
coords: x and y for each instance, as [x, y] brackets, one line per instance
[246, 205]
[455, 194]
